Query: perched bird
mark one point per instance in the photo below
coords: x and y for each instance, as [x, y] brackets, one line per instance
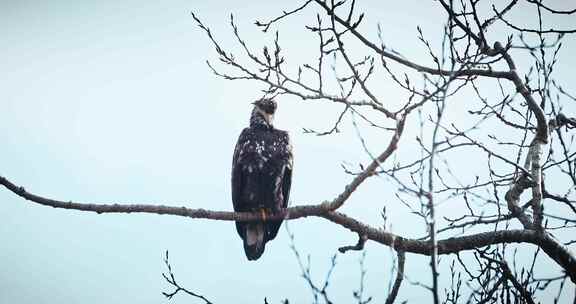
[261, 176]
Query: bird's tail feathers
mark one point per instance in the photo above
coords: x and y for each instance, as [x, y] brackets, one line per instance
[254, 240]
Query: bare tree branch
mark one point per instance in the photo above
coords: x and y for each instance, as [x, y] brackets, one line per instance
[399, 277]
[555, 250]
[171, 279]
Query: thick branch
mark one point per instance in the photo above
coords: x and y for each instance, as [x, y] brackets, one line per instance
[554, 249]
[513, 199]
[291, 213]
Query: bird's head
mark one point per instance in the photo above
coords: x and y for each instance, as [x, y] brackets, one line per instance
[264, 108]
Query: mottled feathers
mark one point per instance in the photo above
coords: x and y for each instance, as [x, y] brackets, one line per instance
[261, 176]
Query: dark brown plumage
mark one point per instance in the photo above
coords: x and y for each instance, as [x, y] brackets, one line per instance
[261, 176]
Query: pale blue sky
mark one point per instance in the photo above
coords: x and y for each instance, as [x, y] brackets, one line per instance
[111, 101]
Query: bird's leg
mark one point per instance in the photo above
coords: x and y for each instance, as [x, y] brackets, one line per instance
[263, 213]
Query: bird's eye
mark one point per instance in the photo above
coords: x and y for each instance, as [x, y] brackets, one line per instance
[266, 108]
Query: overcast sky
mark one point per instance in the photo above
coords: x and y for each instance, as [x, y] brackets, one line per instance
[111, 101]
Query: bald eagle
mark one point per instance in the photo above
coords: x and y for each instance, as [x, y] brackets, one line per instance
[261, 176]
